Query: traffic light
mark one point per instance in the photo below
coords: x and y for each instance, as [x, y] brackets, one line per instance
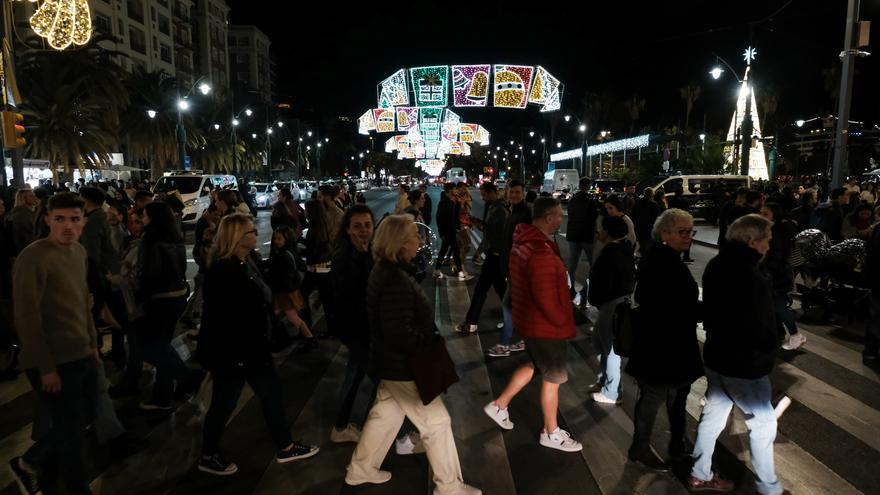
[13, 129]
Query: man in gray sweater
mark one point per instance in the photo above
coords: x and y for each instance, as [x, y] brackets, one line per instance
[58, 344]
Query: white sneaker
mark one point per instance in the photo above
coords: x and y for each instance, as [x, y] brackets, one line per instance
[466, 328]
[560, 440]
[350, 433]
[794, 341]
[463, 275]
[463, 489]
[781, 406]
[406, 445]
[376, 478]
[498, 415]
[518, 346]
[499, 326]
[438, 274]
[601, 399]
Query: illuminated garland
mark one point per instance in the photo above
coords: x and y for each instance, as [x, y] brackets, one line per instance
[63, 22]
[618, 145]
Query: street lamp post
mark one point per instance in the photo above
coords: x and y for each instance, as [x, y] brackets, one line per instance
[747, 126]
[183, 105]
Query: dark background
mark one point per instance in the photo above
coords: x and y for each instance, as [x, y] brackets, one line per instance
[331, 56]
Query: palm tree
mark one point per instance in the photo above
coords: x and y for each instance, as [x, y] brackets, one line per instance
[690, 94]
[634, 107]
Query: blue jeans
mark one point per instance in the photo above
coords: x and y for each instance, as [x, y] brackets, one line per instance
[507, 312]
[784, 315]
[752, 397]
[574, 258]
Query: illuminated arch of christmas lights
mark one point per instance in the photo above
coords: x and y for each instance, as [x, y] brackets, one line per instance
[63, 22]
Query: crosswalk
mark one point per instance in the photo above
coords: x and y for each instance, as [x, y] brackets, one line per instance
[827, 442]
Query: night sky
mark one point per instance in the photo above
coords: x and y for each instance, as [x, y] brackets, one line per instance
[331, 56]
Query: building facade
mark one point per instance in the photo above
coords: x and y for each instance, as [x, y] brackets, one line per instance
[251, 67]
[210, 30]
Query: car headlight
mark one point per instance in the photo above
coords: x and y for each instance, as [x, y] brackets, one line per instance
[190, 202]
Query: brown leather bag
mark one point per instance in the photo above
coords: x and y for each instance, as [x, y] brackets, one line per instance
[433, 371]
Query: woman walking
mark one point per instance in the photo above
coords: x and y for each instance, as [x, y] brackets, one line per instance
[779, 268]
[285, 278]
[234, 345]
[665, 356]
[318, 253]
[401, 326]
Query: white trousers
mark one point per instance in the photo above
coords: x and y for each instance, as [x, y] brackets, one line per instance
[394, 401]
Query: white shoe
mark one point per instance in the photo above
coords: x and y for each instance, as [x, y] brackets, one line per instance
[438, 274]
[498, 415]
[462, 489]
[794, 341]
[377, 478]
[499, 326]
[601, 399]
[560, 440]
[350, 433]
[463, 275]
[466, 328]
[781, 406]
[408, 446]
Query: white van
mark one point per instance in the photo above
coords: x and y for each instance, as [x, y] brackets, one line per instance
[194, 188]
[561, 183]
[701, 191]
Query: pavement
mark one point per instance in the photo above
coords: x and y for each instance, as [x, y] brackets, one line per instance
[827, 441]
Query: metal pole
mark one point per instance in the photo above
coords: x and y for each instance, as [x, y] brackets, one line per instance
[181, 137]
[234, 139]
[846, 84]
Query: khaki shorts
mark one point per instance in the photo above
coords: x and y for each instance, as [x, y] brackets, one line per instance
[549, 358]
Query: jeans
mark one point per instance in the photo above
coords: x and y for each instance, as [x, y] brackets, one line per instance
[574, 258]
[784, 315]
[106, 423]
[448, 243]
[650, 399]
[63, 443]
[752, 397]
[872, 328]
[225, 393]
[490, 276]
[507, 312]
[154, 333]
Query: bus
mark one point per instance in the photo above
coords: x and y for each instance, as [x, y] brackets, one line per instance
[456, 175]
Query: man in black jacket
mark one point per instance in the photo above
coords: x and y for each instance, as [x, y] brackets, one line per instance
[581, 230]
[493, 238]
[828, 216]
[427, 209]
[644, 213]
[447, 228]
[739, 354]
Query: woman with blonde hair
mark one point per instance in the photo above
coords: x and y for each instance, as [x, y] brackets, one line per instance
[401, 322]
[234, 344]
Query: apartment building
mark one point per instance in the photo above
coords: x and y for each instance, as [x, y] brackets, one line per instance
[210, 30]
[250, 63]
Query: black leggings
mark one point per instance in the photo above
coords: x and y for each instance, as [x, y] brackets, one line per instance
[450, 242]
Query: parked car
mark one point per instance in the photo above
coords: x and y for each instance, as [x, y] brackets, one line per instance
[194, 188]
[501, 183]
[267, 194]
[701, 191]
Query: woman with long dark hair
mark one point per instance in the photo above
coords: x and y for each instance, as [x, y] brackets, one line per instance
[161, 293]
[318, 253]
[234, 344]
[285, 278]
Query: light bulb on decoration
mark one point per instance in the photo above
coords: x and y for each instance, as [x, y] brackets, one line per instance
[744, 91]
[235, 122]
[63, 22]
[248, 112]
[183, 104]
[716, 72]
[151, 114]
[204, 88]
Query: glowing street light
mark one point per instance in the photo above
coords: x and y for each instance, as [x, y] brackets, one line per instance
[531, 133]
[511, 142]
[309, 133]
[582, 128]
[205, 88]
[280, 124]
[703, 137]
[558, 144]
[235, 122]
[216, 127]
[604, 133]
[567, 118]
[152, 114]
[799, 122]
[716, 72]
[248, 112]
[254, 135]
[183, 105]
[269, 131]
[360, 155]
[326, 140]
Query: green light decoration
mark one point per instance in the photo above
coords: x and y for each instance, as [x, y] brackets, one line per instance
[430, 85]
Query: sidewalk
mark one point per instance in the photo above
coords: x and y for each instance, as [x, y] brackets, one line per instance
[707, 235]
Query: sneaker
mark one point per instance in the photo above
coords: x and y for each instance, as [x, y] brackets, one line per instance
[377, 479]
[405, 445]
[463, 275]
[500, 416]
[794, 341]
[499, 350]
[296, 452]
[216, 464]
[716, 484]
[500, 325]
[781, 406]
[560, 439]
[154, 406]
[518, 346]
[438, 274]
[350, 433]
[25, 479]
[601, 399]
[466, 328]
[462, 489]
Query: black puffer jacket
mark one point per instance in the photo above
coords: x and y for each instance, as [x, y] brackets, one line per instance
[162, 267]
[234, 336]
[740, 322]
[644, 213]
[613, 273]
[582, 213]
[447, 216]
[665, 351]
[350, 273]
[401, 320]
[776, 262]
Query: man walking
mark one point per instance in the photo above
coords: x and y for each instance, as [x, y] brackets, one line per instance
[519, 213]
[427, 208]
[583, 210]
[59, 344]
[739, 354]
[494, 218]
[542, 313]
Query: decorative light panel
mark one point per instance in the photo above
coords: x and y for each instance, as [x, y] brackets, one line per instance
[468, 133]
[384, 119]
[619, 145]
[451, 117]
[63, 22]
[512, 84]
[470, 85]
[407, 117]
[546, 90]
[366, 123]
[430, 85]
[392, 91]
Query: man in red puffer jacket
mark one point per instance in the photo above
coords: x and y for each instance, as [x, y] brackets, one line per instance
[542, 314]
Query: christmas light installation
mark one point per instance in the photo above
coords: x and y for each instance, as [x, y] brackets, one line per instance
[566, 155]
[391, 144]
[384, 119]
[429, 122]
[619, 145]
[430, 85]
[63, 22]
[757, 158]
[468, 133]
[449, 131]
[470, 85]
[406, 118]
[366, 123]
[451, 117]
[482, 136]
[392, 91]
[546, 91]
[512, 84]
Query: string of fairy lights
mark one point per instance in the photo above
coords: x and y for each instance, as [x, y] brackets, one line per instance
[63, 22]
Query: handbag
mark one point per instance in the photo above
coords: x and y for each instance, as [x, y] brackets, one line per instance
[623, 323]
[433, 370]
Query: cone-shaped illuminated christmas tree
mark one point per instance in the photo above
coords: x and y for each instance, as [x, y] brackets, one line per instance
[757, 158]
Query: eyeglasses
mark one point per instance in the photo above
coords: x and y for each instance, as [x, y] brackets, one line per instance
[686, 232]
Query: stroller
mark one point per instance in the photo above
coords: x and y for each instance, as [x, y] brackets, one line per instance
[839, 288]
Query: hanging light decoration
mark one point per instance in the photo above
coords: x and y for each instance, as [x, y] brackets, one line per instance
[63, 22]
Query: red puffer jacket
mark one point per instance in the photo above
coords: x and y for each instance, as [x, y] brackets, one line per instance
[541, 301]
